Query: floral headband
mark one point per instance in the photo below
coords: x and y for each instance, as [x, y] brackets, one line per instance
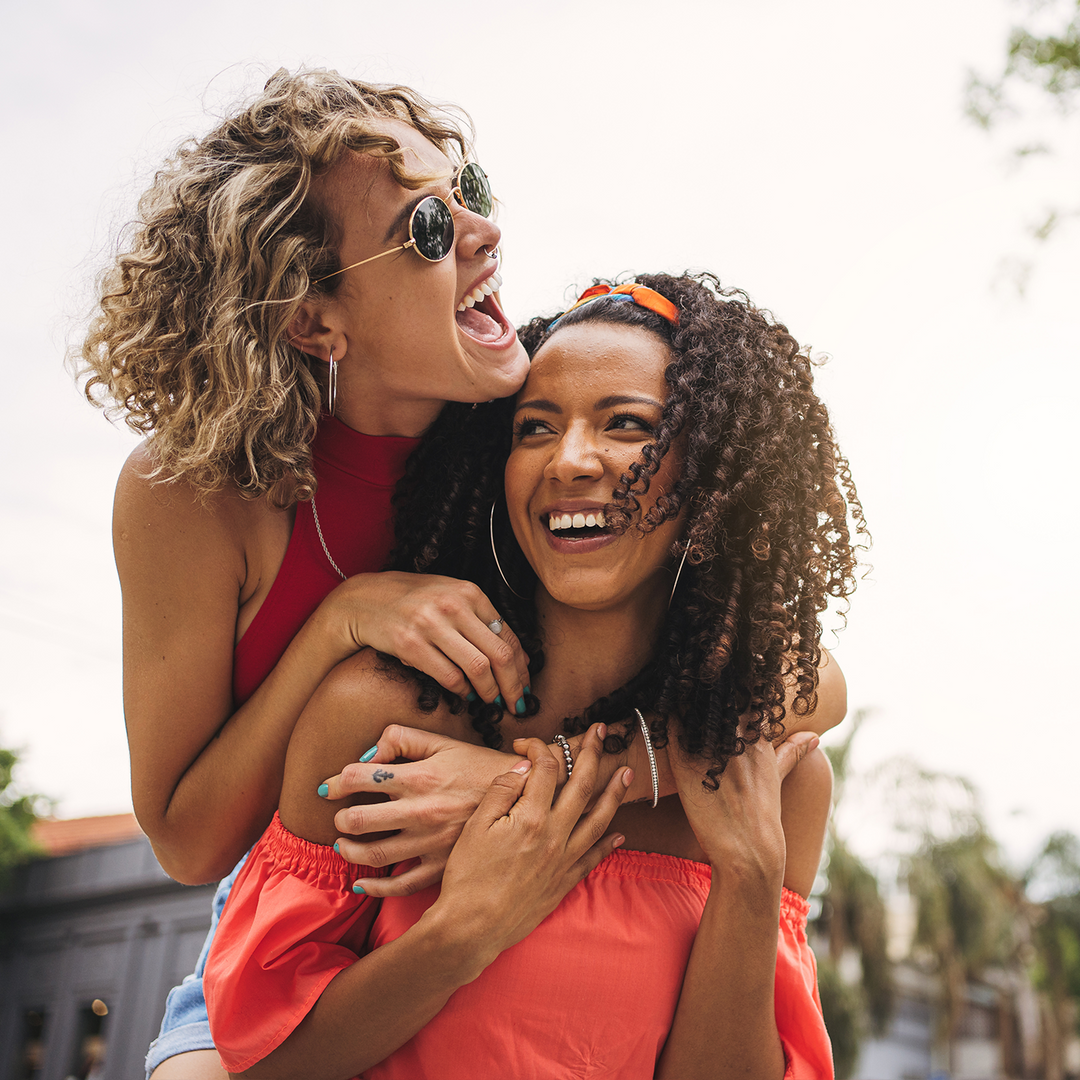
[639, 294]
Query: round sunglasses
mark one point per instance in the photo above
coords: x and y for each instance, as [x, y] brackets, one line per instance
[431, 224]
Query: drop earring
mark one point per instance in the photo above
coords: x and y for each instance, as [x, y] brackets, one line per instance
[331, 384]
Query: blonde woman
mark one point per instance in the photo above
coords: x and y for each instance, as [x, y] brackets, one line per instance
[305, 288]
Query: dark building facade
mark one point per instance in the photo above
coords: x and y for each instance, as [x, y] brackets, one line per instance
[90, 943]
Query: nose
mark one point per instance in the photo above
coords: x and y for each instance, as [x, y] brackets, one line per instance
[476, 234]
[575, 457]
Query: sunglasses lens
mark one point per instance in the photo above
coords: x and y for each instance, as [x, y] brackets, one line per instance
[475, 190]
[433, 228]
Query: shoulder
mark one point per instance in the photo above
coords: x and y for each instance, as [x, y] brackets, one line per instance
[831, 700]
[354, 704]
[350, 710]
[345, 717]
[159, 518]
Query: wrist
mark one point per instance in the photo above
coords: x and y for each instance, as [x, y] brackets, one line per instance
[457, 940]
[752, 878]
[336, 618]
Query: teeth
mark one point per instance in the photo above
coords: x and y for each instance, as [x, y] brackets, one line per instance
[496, 280]
[476, 296]
[576, 521]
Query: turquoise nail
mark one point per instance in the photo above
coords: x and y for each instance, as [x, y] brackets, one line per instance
[370, 754]
[359, 889]
[519, 708]
[528, 689]
[336, 848]
[471, 695]
[324, 790]
[498, 700]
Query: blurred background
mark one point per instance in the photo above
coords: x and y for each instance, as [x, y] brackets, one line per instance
[828, 158]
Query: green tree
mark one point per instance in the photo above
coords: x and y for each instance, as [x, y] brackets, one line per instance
[1037, 89]
[1054, 880]
[18, 812]
[853, 917]
[966, 905]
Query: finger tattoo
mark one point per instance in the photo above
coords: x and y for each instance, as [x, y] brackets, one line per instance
[381, 774]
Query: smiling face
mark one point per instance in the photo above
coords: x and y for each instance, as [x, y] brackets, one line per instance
[594, 395]
[403, 345]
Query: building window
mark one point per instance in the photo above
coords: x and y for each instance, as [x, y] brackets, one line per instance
[88, 1051]
[31, 1052]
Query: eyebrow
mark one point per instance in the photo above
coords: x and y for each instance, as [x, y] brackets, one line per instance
[543, 405]
[403, 218]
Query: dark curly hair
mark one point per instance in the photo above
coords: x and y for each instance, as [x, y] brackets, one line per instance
[769, 498]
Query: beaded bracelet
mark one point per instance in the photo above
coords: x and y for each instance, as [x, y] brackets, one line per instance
[652, 758]
[565, 747]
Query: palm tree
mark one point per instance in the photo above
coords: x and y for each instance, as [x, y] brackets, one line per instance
[1055, 931]
[853, 917]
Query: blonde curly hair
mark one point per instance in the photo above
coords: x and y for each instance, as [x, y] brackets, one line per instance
[190, 342]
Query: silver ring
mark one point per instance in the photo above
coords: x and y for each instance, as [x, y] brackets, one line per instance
[495, 626]
[493, 254]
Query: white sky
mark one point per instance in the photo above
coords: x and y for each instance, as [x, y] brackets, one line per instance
[815, 155]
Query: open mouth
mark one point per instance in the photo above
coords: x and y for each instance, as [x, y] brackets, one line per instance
[479, 314]
[577, 525]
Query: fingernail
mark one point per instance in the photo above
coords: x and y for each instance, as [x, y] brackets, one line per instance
[519, 708]
[471, 695]
[814, 742]
[528, 689]
[336, 848]
[628, 778]
[358, 888]
[324, 790]
[522, 766]
[601, 731]
[368, 755]
[618, 842]
[498, 700]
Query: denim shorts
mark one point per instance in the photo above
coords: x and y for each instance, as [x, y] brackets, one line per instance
[185, 1025]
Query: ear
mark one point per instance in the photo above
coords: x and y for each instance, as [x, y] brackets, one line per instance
[311, 334]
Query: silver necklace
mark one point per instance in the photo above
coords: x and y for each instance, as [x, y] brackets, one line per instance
[326, 550]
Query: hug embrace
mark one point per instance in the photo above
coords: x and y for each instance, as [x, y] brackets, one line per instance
[561, 616]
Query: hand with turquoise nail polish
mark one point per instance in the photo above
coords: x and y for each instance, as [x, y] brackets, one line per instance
[433, 792]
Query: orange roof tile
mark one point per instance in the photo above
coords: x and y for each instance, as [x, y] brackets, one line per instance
[63, 836]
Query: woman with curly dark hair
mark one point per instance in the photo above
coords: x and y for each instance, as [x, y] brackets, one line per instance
[676, 519]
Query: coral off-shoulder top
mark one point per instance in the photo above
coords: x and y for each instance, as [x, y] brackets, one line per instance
[590, 993]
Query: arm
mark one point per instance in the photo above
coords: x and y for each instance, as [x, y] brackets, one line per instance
[726, 1020]
[446, 779]
[516, 858]
[206, 777]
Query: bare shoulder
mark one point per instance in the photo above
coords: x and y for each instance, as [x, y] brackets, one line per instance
[168, 511]
[344, 718]
[831, 700]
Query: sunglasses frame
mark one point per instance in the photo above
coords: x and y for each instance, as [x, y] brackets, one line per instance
[456, 194]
